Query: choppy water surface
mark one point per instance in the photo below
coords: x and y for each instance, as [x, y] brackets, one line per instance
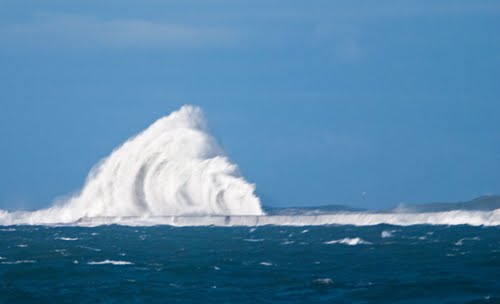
[116, 264]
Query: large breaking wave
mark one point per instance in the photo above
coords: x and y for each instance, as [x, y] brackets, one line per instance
[175, 173]
[174, 167]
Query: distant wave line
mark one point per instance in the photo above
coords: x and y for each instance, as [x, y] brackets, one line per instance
[457, 217]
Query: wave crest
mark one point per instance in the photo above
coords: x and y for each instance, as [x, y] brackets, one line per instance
[174, 167]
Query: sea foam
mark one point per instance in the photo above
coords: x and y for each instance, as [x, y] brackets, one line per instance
[110, 262]
[349, 241]
[174, 167]
[457, 217]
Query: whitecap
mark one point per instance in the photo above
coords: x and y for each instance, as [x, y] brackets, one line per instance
[61, 251]
[8, 229]
[110, 262]
[20, 262]
[349, 241]
[324, 281]
[386, 234]
[461, 241]
[66, 239]
[90, 248]
[253, 240]
[266, 263]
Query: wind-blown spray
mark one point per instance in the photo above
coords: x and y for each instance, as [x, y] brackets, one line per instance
[174, 167]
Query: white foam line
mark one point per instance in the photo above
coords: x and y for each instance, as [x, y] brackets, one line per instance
[349, 241]
[472, 218]
[20, 262]
[67, 239]
[110, 262]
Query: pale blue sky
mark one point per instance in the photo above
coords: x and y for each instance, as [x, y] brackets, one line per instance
[317, 101]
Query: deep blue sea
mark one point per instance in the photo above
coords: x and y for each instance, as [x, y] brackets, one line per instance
[271, 264]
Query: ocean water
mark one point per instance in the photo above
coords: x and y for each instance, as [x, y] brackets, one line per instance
[267, 264]
[167, 217]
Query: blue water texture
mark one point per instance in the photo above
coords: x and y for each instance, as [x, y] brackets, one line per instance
[270, 264]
